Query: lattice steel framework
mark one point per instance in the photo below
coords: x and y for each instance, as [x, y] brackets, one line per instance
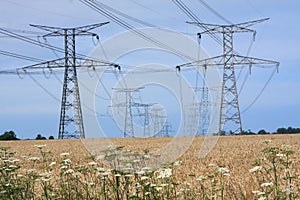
[229, 109]
[146, 115]
[71, 121]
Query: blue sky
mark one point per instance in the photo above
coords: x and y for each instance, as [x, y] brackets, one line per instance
[28, 110]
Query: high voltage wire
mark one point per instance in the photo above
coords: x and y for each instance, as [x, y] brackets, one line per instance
[214, 11]
[183, 7]
[111, 14]
[38, 43]
[20, 56]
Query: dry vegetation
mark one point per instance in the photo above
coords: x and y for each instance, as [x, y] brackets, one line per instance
[236, 153]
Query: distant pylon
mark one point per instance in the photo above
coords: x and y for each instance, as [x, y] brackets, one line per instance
[157, 119]
[128, 124]
[229, 109]
[71, 121]
[146, 115]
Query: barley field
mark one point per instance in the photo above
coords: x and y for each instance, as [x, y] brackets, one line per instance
[238, 167]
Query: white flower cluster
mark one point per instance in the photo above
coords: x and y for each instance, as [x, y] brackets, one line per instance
[255, 169]
[165, 173]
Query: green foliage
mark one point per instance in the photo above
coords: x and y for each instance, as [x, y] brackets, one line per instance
[40, 137]
[275, 175]
[9, 135]
[51, 137]
[262, 132]
[288, 130]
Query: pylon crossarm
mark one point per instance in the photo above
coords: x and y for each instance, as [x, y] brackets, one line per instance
[236, 60]
[85, 29]
[57, 31]
[237, 28]
[60, 63]
[82, 62]
[244, 60]
[217, 60]
[251, 23]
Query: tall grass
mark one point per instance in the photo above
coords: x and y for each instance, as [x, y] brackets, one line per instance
[49, 176]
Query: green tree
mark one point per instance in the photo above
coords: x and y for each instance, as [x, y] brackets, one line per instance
[281, 131]
[8, 135]
[51, 137]
[40, 137]
[262, 132]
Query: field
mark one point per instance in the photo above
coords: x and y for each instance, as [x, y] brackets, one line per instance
[222, 174]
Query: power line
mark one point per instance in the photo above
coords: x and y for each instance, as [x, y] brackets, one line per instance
[214, 12]
[110, 14]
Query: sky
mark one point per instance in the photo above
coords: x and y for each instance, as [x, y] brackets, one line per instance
[28, 110]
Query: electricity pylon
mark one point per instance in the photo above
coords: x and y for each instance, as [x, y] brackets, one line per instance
[128, 125]
[146, 116]
[229, 109]
[71, 122]
[157, 119]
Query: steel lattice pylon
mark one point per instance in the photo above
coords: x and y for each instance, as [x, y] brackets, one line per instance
[71, 121]
[229, 108]
[70, 95]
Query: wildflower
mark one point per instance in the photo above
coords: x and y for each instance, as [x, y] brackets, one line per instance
[201, 178]
[69, 171]
[164, 184]
[286, 146]
[262, 198]
[104, 174]
[34, 158]
[165, 173]
[147, 193]
[64, 154]
[266, 184]
[89, 183]
[140, 172]
[12, 166]
[100, 169]
[45, 179]
[66, 161]
[289, 189]
[144, 178]
[223, 170]
[64, 167]
[152, 185]
[184, 189]
[255, 169]
[52, 164]
[158, 188]
[146, 156]
[11, 160]
[40, 146]
[29, 171]
[46, 174]
[280, 155]
[147, 169]
[226, 174]
[211, 165]
[257, 192]
[177, 163]
[93, 163]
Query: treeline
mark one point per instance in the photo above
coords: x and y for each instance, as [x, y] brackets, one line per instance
[10, 135]
[289, 130]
